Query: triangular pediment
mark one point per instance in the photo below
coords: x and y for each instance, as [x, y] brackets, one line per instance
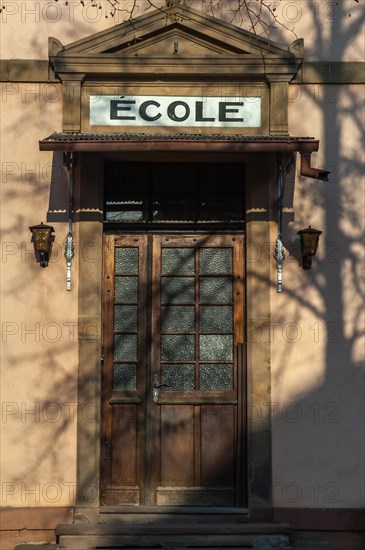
[178, 31]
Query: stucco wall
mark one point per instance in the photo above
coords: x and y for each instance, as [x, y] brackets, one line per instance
[317, 322]
[38, 317]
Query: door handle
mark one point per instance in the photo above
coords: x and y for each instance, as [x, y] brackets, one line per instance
[156, 387]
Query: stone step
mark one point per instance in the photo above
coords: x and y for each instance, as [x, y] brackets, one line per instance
[172, 535]
[176, 542]
[174, 527]
[258, 544]
[164, 516]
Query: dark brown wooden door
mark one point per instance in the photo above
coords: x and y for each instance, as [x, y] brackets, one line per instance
[173, 376]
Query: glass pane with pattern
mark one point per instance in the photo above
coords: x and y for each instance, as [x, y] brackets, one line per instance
[203, 331]
[125, 318]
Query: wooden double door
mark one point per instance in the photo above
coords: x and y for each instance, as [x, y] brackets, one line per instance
[173, 379]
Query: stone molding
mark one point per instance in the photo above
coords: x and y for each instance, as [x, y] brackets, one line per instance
[312, 72]
[331, 519]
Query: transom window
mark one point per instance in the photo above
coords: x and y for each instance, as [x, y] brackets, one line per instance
[173, 192]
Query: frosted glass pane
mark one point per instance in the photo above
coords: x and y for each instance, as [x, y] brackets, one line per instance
[127, 215]
[178, 260]
[216, 319]
[125, 347]
[124, 377]
[177, 289]
[215, 289]
[216, 377]
[216, 347]
[126, 289]
[216, 260]
[178, 347]
[126, 260]
[178, 377]
[177, 319]
[125, 318]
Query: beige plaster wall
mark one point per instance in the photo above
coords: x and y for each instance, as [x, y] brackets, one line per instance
[38, 318]
[317, 324]
[318, 321]
[332, 30]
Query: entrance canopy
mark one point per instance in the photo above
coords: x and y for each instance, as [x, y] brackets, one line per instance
[177, 142]
[212, 143]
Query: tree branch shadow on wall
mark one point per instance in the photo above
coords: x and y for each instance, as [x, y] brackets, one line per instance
[319, 419]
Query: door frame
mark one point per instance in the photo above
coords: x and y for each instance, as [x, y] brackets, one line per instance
[260, 220]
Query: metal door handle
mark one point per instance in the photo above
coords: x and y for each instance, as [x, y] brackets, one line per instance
[156, 387]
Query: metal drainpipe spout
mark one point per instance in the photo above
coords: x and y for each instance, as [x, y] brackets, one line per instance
[307, 170]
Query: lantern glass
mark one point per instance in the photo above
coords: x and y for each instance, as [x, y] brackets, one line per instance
[42, 239]
[309, 238]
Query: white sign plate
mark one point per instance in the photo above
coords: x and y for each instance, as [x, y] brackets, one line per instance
[228, 112]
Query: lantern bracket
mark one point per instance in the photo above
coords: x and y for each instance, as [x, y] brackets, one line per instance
[285, 165]
[69, 162]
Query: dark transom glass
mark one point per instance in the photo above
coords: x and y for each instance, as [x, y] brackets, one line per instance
[141, 192]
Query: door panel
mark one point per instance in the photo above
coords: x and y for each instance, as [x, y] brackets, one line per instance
[172, 414]
[124, 370]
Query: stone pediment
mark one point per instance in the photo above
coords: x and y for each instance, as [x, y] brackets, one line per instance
[166, 49]
[179, 31]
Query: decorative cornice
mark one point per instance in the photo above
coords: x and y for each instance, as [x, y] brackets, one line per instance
[312, 72]
[124, 68]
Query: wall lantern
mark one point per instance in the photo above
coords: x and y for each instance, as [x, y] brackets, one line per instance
[309, 238]
[42, 238]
